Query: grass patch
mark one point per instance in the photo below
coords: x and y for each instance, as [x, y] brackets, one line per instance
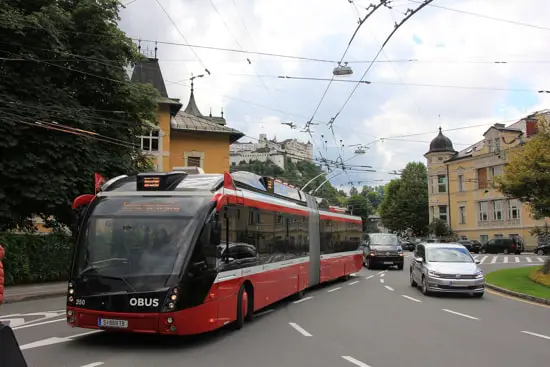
[517, 280]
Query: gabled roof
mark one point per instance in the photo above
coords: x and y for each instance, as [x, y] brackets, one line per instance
[186, 122]
[503, 128]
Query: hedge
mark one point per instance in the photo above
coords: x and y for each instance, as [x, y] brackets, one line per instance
[36, 258]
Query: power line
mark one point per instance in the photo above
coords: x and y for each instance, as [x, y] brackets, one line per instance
[487, 17]
[182, 36]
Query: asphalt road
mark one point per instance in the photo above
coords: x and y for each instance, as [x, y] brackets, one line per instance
[375, 319]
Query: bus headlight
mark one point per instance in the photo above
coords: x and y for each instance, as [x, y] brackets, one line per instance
[70, 293]
[171, 300]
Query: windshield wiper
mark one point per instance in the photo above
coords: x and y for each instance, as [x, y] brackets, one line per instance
[93, 266]
[110, 277]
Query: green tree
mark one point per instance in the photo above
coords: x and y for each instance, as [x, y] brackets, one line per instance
[405, 203]
[361, 207]
[65, 65]
[353, 191]
[439, 228]
[527, 175]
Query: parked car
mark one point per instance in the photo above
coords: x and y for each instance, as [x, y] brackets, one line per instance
[382, 249]
[446, 268]
[542, 249]
[407, 244]
[471, 245]
[503, 245]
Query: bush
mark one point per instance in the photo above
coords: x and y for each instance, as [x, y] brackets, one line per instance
[36, 258]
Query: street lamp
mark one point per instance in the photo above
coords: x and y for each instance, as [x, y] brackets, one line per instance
[342, 70]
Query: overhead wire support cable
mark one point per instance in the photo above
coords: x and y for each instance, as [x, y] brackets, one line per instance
[397, 26]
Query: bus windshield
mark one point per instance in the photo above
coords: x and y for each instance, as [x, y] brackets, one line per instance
[137, 244]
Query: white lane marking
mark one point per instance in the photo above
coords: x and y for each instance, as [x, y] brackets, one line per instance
[299, 329]
[412, 299]
[334, 289]
[476, 257]
[352, 283]
[483, 259]
[460, 314]
[382, 275]
[54, 340]
[529, 260]
[388, 288]
[95, 364]
[263, 313]
[381, 280]
[494, 260]
[13, 323]
[516, 259]
[39, 323]
[506, 260]
[540, 259]
[355, 361]
[369, 277]
[303, 300]
[538, 335]
[381, 272]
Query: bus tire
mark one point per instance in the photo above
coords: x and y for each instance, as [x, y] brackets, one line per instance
[242, 307]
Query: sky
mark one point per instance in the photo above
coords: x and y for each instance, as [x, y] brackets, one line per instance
[439, 69]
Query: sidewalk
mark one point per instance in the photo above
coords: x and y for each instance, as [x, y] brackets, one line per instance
[19, 293]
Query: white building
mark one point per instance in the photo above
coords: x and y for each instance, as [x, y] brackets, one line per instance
[270, 150]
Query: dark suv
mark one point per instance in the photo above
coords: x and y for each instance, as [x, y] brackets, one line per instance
[503, 245]
[542, 249]
[471, 245]
[382, 249]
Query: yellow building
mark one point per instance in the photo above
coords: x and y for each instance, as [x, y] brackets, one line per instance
[184, 138]
[461, 189]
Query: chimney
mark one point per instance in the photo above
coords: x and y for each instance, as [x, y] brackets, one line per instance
[530, 126]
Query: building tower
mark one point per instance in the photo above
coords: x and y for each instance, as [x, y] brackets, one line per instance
[441, 150]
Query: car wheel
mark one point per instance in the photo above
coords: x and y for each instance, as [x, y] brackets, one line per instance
[540, 252]
[413, 283]
[400, 267]
[478, 295]
[424, 286]
[367, 263]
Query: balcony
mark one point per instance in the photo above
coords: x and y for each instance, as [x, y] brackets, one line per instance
[498, 223]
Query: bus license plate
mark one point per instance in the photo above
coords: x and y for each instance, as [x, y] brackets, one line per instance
[388, 262]
[121, 324]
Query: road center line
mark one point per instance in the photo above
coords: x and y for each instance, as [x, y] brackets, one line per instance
[382, 275]
[352, 283]
[299, 329]
[334, 289]
[355, 361]
[537, 335]
[381, 272]
[381, 280]
[303, 300]
[369, 277]
[95, 364]
[412, 299]
[388, 288]
[460, 314]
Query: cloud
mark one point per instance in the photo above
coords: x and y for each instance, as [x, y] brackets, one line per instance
[452, 49]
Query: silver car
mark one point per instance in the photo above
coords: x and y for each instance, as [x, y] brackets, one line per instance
[446, 268]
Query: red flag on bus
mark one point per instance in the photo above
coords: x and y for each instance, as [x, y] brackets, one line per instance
[99, 180]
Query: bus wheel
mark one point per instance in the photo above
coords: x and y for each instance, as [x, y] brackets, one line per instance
[242, 307]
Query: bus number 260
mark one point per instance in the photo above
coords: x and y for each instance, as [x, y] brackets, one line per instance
[80, 302]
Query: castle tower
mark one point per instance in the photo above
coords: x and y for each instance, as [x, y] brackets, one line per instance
[441, 150]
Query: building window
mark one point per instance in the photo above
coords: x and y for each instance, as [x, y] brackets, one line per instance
[460, 183]
[496, 171]
[482, 178]
[193, 161]
[150, 142]
[490, 146]
[498, 236]
[513, 235]
[442, 183]
[514, 209]
[497, 210]
[443, 212]
[483, 238]
[483, 209]
[462, 214]
[497, 145]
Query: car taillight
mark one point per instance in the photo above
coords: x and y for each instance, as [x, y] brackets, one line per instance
[513, 246]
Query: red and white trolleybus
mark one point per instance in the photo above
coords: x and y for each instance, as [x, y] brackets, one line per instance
[179, 253]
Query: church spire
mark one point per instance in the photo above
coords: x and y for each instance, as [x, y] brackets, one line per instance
[192, 108]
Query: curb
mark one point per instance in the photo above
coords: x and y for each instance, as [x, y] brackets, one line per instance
[518, 295]
[31, 297]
